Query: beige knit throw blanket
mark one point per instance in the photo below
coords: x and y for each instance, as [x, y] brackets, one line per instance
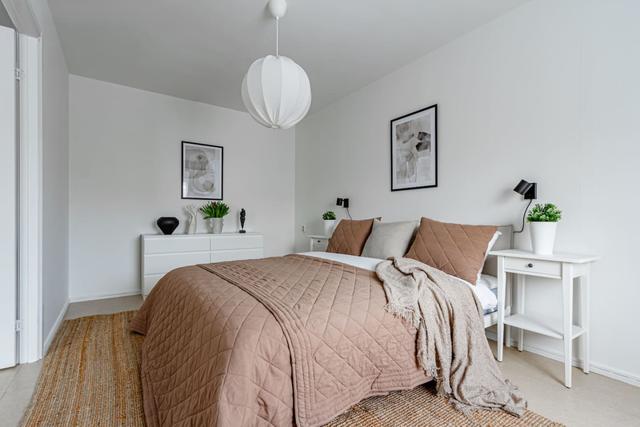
[451, 345]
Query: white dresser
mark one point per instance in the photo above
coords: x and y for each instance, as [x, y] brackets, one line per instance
[161, 254]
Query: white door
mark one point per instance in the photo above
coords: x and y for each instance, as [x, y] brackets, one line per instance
[8, 199]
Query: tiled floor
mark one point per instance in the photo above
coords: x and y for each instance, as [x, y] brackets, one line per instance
[594, 400]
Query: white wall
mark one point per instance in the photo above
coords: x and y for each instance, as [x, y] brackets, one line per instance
[549, 93]
[55, 163]
[125, 151]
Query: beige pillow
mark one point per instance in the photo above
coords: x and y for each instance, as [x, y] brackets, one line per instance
[350, 236]
[457, 249]
[389, 239]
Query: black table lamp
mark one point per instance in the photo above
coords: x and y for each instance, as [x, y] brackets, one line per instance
[529, 191]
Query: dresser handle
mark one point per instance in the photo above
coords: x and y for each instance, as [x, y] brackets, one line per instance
[530, 265]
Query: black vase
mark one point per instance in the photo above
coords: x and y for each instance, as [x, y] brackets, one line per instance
[167, 224]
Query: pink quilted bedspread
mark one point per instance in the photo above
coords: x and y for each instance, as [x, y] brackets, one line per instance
[276, 341]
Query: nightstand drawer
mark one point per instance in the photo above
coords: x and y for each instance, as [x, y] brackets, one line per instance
[319, 245]
[533, 267]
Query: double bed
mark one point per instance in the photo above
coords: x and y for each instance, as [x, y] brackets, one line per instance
[486, 289]
[293, 340]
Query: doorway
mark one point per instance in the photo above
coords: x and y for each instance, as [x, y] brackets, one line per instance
[8, 199]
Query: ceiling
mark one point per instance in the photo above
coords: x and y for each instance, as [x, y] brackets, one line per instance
[5, 20]
[200, 49]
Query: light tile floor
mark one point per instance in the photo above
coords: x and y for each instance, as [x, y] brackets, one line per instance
[594, 400]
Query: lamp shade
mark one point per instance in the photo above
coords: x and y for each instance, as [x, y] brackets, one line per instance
[276, 92]
[522, 187]
[529, 190]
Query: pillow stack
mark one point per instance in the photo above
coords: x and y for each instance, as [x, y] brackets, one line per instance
[456, 249]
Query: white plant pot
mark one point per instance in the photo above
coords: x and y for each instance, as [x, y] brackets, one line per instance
[329, 224]
[215, 225]
[543, 237]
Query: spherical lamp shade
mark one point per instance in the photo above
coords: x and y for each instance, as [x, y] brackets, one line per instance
[276, 92]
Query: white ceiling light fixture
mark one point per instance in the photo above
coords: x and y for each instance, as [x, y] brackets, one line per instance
[276, 90]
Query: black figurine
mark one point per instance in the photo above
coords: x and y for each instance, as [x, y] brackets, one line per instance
[243, 216]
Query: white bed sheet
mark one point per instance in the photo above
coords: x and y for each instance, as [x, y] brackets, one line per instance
[482, 289]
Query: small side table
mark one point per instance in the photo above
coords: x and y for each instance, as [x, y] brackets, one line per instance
[318, 243]
[565, 268]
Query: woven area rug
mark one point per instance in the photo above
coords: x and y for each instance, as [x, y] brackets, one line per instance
[90, 377]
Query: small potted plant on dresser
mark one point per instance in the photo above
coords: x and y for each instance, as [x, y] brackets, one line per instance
[543, 222]
[329, 218]
[213, 213]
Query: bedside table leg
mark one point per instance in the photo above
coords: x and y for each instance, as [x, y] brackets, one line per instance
[502, 279]
[567, 320]
[584, 320]
[520, 296]
[508, 302]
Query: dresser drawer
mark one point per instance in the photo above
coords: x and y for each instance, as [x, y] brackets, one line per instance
[534, 267]
[163, 263]
[176, 244]
[235, 241]
[236, 254]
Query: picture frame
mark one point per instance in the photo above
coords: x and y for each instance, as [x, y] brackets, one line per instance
[414, 150]
[202, 171]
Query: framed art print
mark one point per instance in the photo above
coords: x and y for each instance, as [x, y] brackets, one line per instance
[414, 150]
[201, 171]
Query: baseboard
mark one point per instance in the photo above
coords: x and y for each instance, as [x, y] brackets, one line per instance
[104, 296]
[595, 367]
[54, 328]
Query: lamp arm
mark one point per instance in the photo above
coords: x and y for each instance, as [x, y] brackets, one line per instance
[524, 214]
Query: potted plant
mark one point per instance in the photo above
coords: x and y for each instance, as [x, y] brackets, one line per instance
[213, 213]
[543, 221]
[329, 218]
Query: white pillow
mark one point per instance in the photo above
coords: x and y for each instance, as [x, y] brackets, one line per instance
[492, 242]
[389, 239]
[483, 288]
[488, 281]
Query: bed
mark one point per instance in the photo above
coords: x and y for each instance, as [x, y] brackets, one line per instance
[246, 342]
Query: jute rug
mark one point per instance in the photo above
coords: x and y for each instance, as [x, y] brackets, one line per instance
[90, 377]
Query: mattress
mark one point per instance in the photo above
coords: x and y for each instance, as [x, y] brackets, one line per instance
[485, 289]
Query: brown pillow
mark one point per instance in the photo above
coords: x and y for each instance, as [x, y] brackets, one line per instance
[456, 249]
[350, 236]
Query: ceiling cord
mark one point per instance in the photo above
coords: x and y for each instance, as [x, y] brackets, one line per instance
[277, 36]
[524, 214]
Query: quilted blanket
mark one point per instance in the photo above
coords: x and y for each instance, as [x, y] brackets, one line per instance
[276, 341]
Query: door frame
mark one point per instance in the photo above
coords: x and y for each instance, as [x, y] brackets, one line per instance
[29, 34]
[30, 344]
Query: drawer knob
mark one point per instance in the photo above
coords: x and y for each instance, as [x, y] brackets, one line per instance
[530, 265]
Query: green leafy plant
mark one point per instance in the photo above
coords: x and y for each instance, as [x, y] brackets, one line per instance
[214, 210]
[329, 215]
[544, 213]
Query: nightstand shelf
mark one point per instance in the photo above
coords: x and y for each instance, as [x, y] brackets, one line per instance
[562, 267]
[530, 324]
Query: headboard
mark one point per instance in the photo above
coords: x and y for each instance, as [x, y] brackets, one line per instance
[505, 241]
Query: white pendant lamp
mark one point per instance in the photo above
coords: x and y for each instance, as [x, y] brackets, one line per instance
[276, 90]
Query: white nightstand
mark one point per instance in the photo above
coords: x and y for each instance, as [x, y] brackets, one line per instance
[564, 267]
[318, 243]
